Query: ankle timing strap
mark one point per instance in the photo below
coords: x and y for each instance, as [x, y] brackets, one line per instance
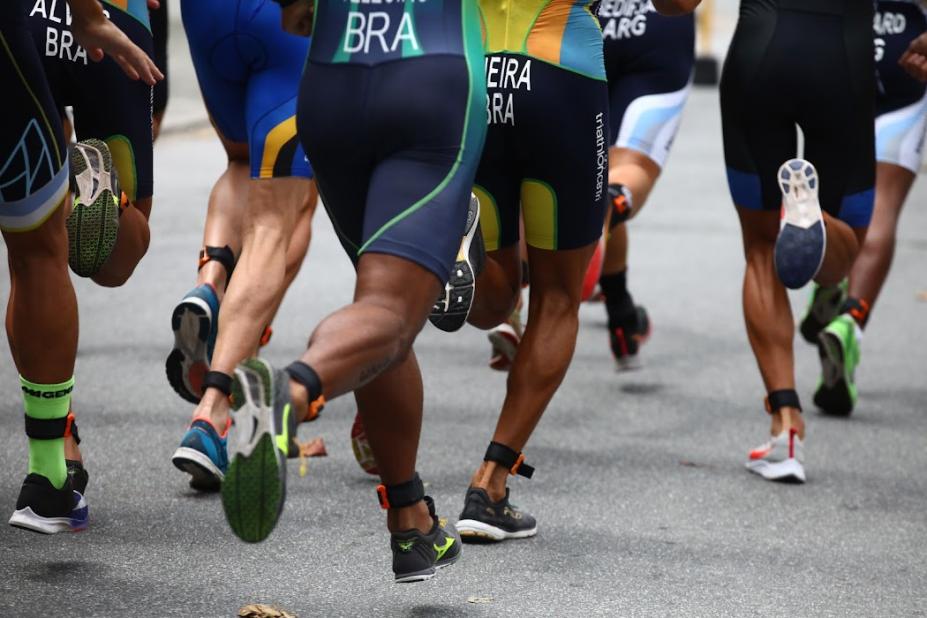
[619, 198]
[52, 429]
[786, 398]
[858, 309]
[403, 494]
[310, 380]
[223, 255]
[222, 382]
[514, 461]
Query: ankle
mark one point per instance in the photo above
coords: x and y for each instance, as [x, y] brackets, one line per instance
[786, 419]
[491, 478]
[214, 407]
[412, 517]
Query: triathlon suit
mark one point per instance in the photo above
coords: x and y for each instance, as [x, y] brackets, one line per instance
[107, 104]
[160, 25]
[901, 104]
[33, 156]
[248, 69]
[648, 61]
[392, 107]
[546, 150]
[808, 63]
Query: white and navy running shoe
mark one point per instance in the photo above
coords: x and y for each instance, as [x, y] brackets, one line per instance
[780, 459]
[195, 322]
[42, 508]
[483, 520]
[802, 239]
[453, 306]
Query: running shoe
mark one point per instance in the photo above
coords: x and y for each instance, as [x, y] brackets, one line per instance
[94, 220]
[254, 489]
[838, 347]
[626, 335]
[453, 306]
[42, 508]
[78, 475]
[823, 306]
[361, 447]
[483, 520]
[780, 459]
[417, 556]
[594, 270]
[195, 322]
[505, 339]
[203, 454]
[802, 240]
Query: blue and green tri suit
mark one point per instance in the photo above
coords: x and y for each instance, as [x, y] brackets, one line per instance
[546, 151]
[248, 69]
[392, 107]
[107, 104]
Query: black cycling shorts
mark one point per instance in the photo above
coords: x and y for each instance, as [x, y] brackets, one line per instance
[395, 148]
[160, 25]
[546, 155]
[648, 60]
[107, 104]
[33, 155]
[808, 63]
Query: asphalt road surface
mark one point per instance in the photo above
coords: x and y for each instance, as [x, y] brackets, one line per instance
[644, 505]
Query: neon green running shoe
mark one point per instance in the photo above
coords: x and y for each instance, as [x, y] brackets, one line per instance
[839, 350]
[94, 220]
[824, 305]
[264, 421]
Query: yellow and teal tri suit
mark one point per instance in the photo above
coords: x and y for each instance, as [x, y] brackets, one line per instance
[546, 149]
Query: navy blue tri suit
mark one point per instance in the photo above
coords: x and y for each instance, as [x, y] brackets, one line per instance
[393, 107]
[808, 63]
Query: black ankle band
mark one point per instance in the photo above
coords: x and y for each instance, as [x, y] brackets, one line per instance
[786, 398]
[403, 494]
[223, 255]
[51, 428]
[306, 375]
[621, 207]
[222, 382]
[511, 459]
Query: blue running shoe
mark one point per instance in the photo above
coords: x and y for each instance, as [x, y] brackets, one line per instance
[42, 508]
[202, 454]
[195, 322]
[802, 240]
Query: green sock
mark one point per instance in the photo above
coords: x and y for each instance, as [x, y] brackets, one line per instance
[46, 402]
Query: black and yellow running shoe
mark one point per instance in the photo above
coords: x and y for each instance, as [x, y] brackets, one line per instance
[94, 220]
[417, 557]
[264, 422]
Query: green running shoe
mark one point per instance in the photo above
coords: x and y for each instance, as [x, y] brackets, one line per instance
[94, 221]
[254, 488]
[823, 306]
[840, 354]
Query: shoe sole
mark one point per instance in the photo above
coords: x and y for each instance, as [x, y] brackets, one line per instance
[254, 489]
[206, 476]
[27, 519]
[789, 470]
[802, 241]
[473, 531]
[453, 307]
[92, 227]
[632, 362]
[833, 396]
[505, 344]
[187, 364]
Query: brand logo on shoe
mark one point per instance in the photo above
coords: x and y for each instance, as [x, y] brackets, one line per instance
[448, 543]
[511, 513]
[283, 438]
[406, 546]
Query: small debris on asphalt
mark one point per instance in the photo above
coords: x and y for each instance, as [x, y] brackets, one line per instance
[259, 610]
[479, 600]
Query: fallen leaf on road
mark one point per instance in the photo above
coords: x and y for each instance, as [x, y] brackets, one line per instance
[922, 296]
[258, 610]
[479, 599]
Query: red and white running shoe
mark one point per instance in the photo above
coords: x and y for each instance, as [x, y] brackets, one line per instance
[361, 447]
[780, 459]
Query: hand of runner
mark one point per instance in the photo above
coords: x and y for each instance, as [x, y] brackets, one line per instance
[914, 60]
[675, 7]
[297, 18]
[99, 36]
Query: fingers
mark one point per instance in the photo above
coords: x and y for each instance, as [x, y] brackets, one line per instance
[153, 4]
[915, 64]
